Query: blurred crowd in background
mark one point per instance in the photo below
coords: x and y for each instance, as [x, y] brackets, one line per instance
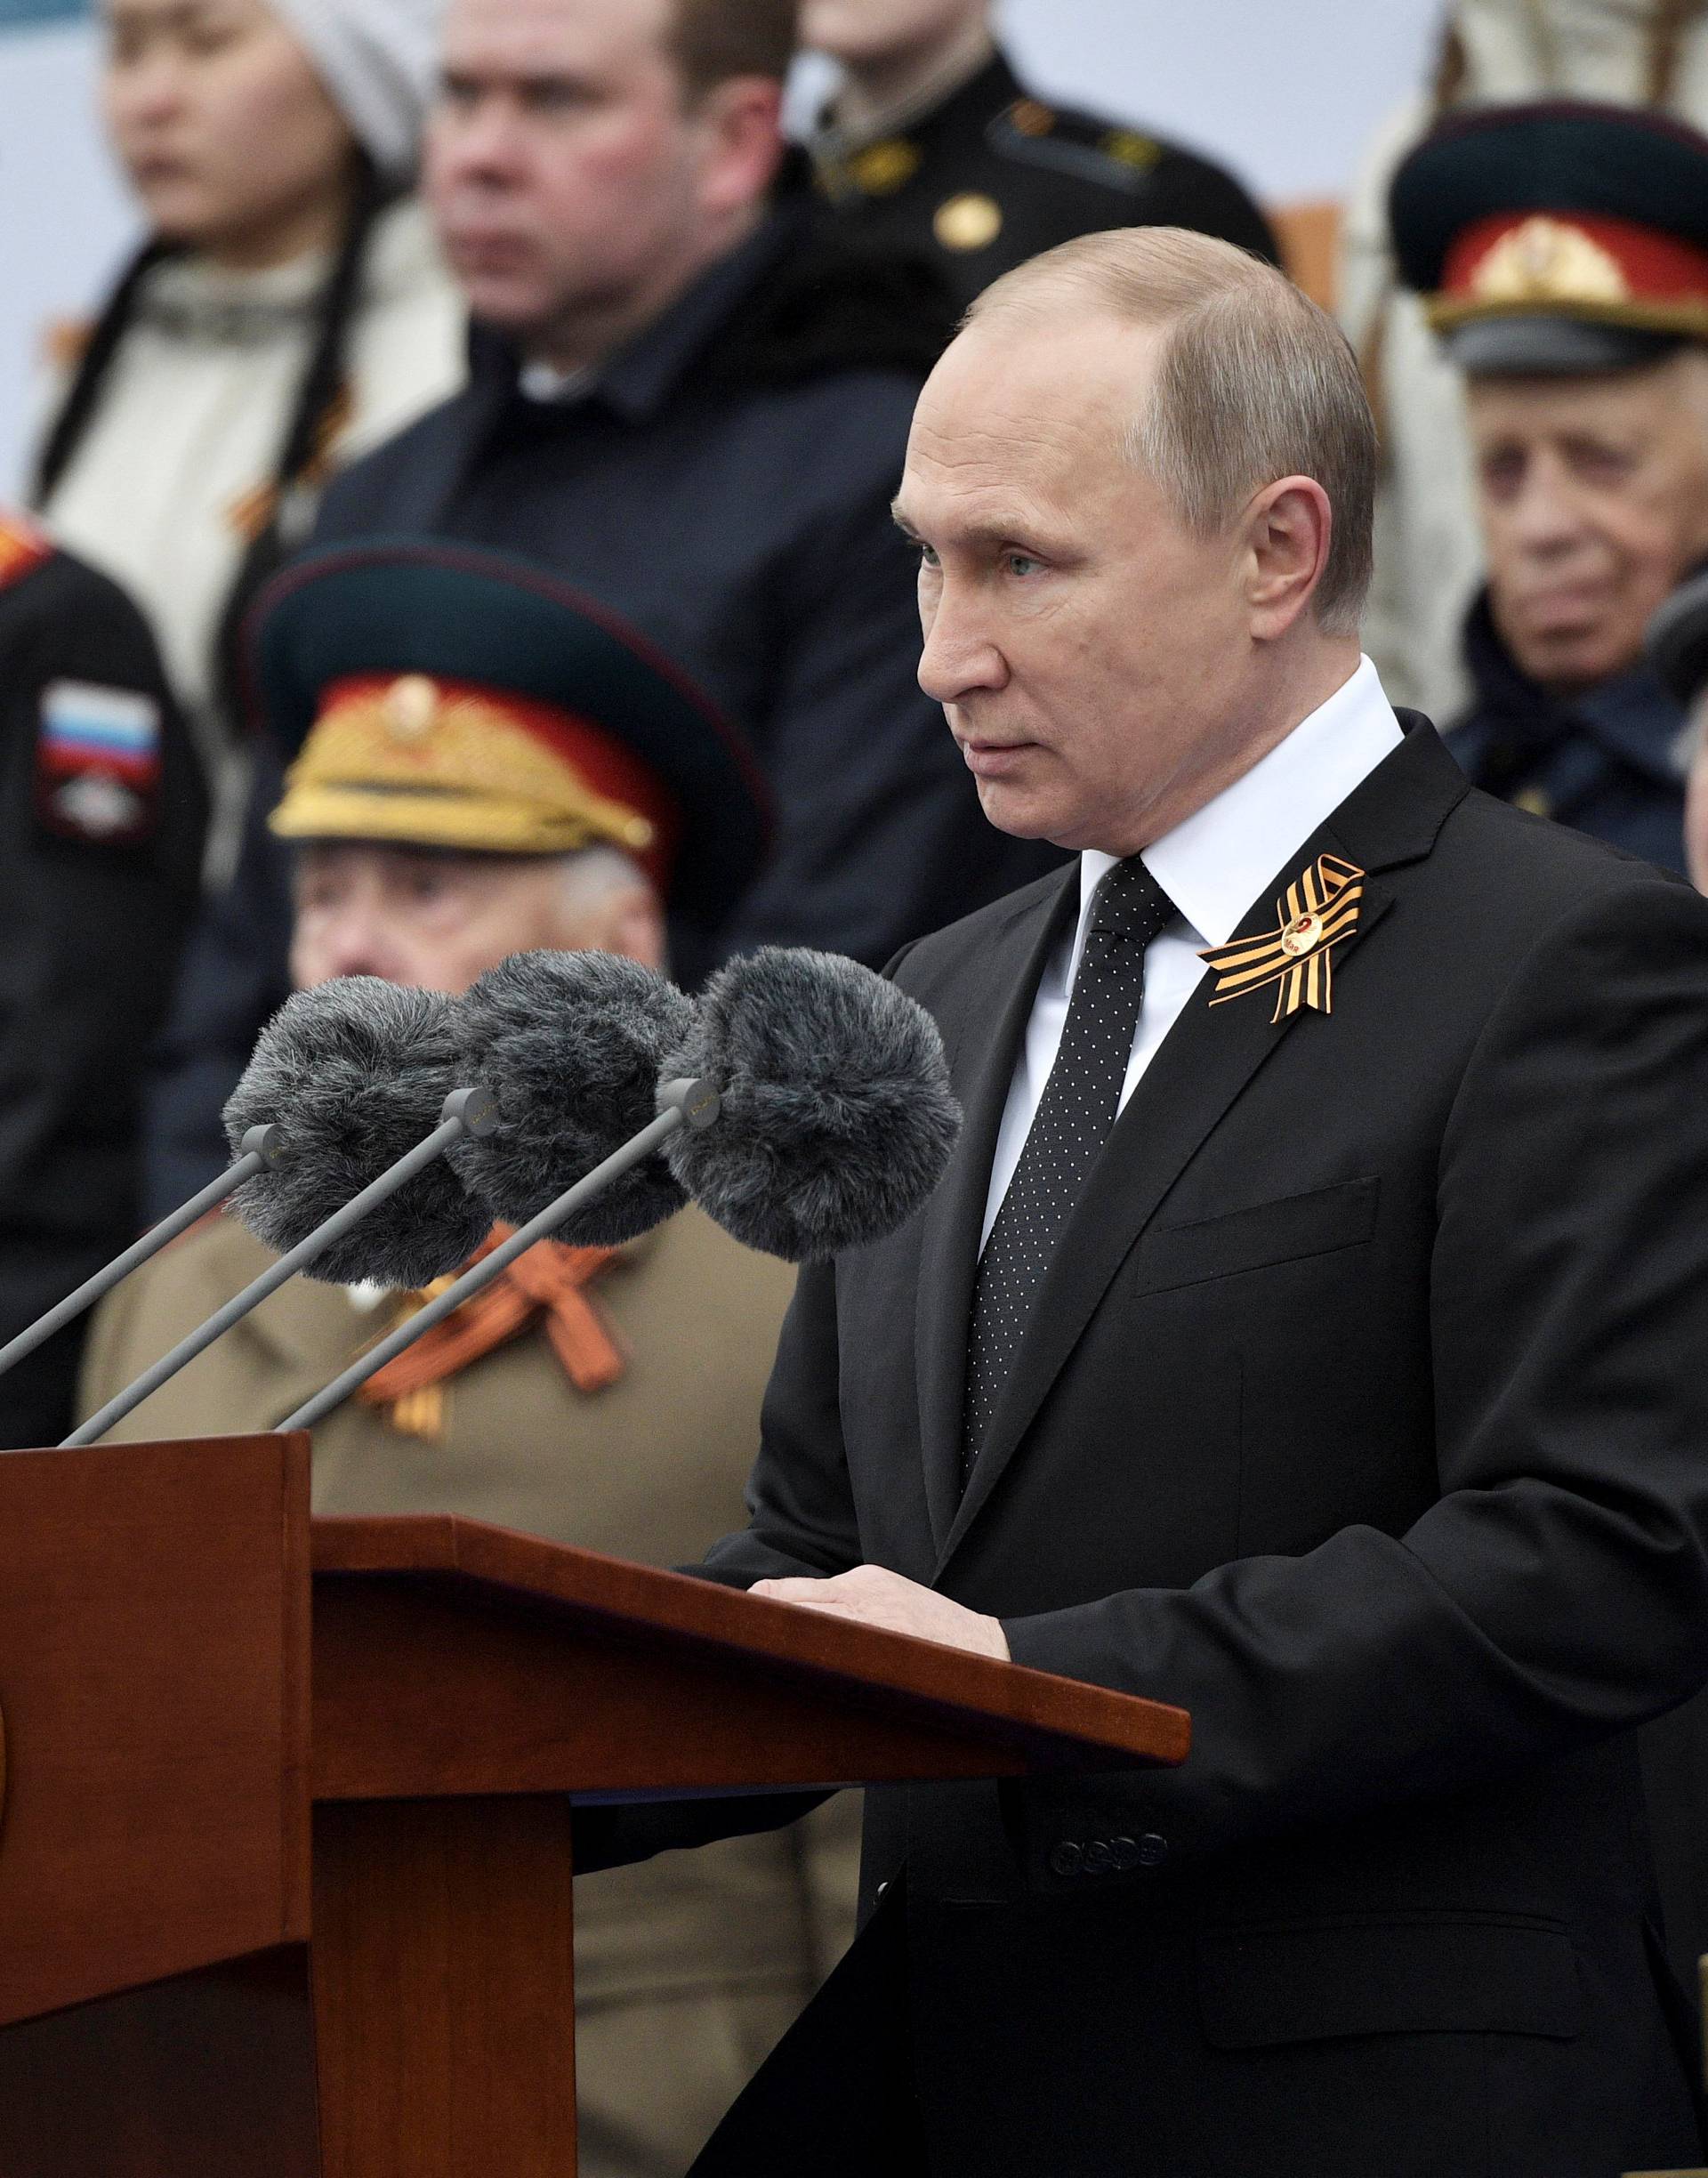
[464, 526]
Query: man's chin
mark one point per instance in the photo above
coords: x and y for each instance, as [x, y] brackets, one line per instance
[1012, 810]
[1570, 663]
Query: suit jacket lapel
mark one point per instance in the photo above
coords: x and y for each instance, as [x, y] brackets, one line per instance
[998, 990]
[1205, 1063]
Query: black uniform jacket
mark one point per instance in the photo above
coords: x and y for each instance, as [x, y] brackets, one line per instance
[98, 881]
[993, 176]
[1363, 1414]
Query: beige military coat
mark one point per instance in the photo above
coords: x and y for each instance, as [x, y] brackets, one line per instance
[689, 1967]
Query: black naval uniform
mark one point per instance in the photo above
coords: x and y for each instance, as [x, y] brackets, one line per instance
[992, 176]
[103, 813]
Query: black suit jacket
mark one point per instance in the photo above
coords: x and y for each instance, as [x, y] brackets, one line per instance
[1363, 1414]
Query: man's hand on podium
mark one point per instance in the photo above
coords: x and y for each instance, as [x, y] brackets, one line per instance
[878, 1597]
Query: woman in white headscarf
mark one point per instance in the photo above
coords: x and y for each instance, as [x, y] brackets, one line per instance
[287, 311]
[1429, 552]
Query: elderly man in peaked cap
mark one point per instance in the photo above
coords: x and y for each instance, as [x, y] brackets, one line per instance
[1564, 252]
[487, 764]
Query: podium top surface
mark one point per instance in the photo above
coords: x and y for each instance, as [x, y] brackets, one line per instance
[1057, 1723]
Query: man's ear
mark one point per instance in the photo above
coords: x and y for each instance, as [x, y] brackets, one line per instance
[740, 125]
[1288, 527]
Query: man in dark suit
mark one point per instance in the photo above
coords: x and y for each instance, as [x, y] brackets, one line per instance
[1346, 1388]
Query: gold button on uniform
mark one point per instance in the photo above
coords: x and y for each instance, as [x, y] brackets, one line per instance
[1534, 800]
[968, 222]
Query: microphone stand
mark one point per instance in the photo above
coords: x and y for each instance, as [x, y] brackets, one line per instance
[466, 1111]
[682, 1104]
[263, 1146]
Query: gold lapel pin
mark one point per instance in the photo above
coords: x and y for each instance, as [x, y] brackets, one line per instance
[1320, 908]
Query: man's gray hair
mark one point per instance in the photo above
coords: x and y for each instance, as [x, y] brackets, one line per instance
[1254, 382]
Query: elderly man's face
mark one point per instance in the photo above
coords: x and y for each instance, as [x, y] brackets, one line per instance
[436, 921]
[1594, 496]
[1090, 652]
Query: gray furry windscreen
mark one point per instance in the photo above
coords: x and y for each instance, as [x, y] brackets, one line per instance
[571, 1045]
[838, 1118]
[355, 1073]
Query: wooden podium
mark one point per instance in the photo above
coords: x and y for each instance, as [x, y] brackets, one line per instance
[284, 1807]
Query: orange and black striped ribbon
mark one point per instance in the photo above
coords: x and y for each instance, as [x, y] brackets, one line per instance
[1319, 910]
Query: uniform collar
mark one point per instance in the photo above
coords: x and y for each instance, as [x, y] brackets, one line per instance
[845, 132]
[1215, 864]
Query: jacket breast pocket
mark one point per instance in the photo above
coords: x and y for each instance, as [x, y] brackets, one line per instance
[1263, 1986]
[1285, 1230]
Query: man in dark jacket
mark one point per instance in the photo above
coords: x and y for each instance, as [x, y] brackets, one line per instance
[934, 145]
[1565, 249]
[692, 402]
[1307, 1331]
[103, 814]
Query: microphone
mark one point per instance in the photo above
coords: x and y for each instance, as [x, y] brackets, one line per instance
[682, 1105]
[258, 1149]
[360, 1059]
[837, 1116]
[826, 1093]
[577, 1041]
[364, 1068]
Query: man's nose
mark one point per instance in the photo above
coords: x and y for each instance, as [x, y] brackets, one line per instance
[960, 658]
[480, 144]
[1547, 515]
[353, 944]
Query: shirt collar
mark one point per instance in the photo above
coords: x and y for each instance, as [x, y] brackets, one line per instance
[1214, 865]
[639, 377]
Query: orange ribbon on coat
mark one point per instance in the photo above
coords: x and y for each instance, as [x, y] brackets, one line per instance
[1320, 908]
[549, 1281]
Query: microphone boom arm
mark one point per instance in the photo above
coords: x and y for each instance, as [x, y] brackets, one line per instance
[261, 1146]
[682, 1104]
[466, 1111]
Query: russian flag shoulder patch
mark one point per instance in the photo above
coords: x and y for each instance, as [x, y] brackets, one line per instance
[98, 759]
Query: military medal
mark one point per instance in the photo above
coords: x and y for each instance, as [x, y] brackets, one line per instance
[1319, 910]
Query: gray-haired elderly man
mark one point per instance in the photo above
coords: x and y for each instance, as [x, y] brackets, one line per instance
[1309, 1332]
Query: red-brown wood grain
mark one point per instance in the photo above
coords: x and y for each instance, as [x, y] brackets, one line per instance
[560, 1670]
[154, 1639]
[445, 1988]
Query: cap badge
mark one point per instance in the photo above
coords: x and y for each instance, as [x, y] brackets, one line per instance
[968, 222]
[1549, 261]
[411, 707]
[1319, 910]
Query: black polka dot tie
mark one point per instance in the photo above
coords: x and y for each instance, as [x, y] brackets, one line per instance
[1074, 1118]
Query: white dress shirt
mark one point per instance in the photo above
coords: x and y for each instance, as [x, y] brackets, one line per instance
[1213, 867]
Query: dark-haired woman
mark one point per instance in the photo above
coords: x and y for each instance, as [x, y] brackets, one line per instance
[288, 311]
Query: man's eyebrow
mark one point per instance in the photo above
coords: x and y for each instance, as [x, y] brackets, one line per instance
[901, 521]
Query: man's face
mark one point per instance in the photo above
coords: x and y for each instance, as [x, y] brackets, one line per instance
[862, 31]
[563, 166]
[1091, 653]
[417, 916]
[1594, 496]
